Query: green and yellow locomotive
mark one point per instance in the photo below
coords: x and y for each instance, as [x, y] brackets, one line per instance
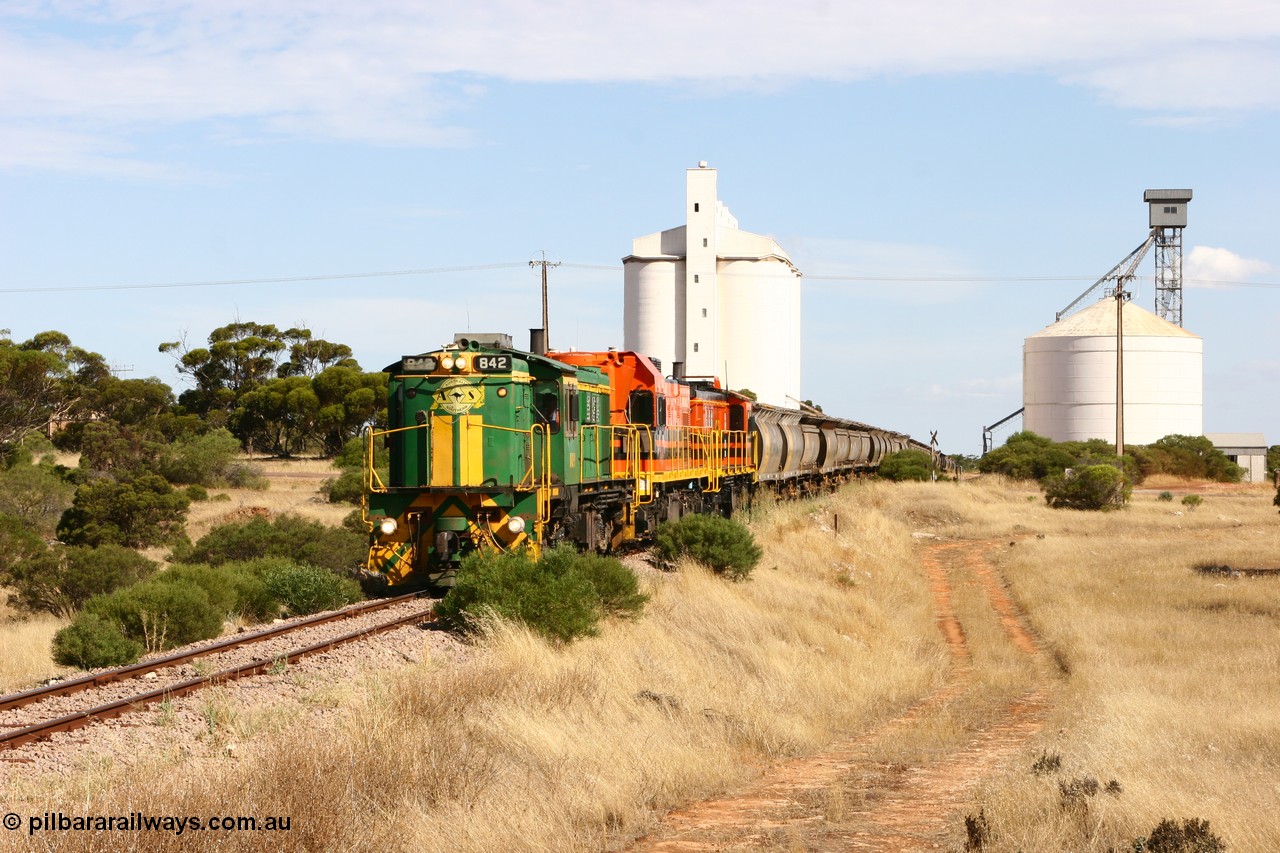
[481, 438]
[495, 448]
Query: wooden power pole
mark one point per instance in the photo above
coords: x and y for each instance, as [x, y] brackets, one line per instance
[544, 263]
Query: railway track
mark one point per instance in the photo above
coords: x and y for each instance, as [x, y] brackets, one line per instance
[12, 737]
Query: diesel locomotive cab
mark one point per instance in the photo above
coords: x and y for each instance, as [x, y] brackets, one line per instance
[466, 427]
[490, 449]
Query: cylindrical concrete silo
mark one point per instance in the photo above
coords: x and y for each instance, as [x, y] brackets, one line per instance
[760, 328]
[1069, 377]
[653, 308]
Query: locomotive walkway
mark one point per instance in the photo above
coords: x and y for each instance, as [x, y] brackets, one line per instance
[850, 797]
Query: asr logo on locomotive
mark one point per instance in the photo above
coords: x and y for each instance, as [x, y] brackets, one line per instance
[457, 396]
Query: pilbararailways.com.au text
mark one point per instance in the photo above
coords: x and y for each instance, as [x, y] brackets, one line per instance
[140, 822]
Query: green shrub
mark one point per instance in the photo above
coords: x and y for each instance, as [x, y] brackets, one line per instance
[91, 641]
[1192, 501]
[196, 493]
[1166, 496]
[616, 586]
[202, 460]
[124, 451]
[160, 614]
[18, 542]
[1192, 456]
[254, 600]
[721, 544]
[909, 464]
[551, 598]
[1027, 456]
[347, 487]
[142, 512]
[1092, 487]
[61, 580]
[308, 589]
[352, 453]
[37, 494]
[334, 548]
[236, 589]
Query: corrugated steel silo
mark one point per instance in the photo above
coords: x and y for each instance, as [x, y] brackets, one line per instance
[1069, 377]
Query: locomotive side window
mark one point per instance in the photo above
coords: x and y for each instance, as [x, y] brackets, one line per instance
[572, 404]
[547, 408]
[641, 407]
[735, 419]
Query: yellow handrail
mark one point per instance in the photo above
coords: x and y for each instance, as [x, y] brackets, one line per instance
[674, 453]
[373, 483]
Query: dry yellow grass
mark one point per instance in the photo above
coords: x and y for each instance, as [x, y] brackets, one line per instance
[1166, 686]
[1172, 676]
[530, 746]
[293, 488]
[25, 641]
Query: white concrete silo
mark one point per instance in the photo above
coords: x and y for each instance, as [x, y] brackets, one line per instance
[1069, 377]
[760, 328]
[651, 292]
[718, 300]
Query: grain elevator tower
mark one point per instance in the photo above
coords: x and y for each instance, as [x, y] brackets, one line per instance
[1168, 218]
[708, 299]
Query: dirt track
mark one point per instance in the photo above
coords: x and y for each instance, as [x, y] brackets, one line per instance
[850, 797]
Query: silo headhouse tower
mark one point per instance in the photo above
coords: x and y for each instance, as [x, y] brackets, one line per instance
[708, 299]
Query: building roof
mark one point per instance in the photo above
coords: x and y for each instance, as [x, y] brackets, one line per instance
[1237, 439]
[1167, 195]
[1100, 319]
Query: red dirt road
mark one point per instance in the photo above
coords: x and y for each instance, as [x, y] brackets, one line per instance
[847, 798]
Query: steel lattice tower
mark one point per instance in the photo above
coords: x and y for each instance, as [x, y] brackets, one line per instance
[1169, 274]
[1168, 218]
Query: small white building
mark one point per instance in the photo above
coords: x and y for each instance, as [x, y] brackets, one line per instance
[1246, 449]
[1069, 377]
[708, 299]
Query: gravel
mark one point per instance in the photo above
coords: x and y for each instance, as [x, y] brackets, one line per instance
[187, 722]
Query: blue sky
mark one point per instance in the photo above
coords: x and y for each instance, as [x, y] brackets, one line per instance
[911, 157]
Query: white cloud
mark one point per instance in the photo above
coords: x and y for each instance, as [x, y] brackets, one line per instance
[1209, 267]
[395, 72]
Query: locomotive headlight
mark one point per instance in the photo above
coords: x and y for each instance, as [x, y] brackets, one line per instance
[461, 363]
[388, 526]
[516, 525]
[447, 362]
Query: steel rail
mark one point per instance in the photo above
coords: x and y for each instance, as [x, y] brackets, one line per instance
[37, 731]
[87, 682]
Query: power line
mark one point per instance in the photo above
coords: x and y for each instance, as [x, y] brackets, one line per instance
[929, 279]
[281, 280]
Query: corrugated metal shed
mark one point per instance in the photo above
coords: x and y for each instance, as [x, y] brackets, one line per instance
[1246, 449]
